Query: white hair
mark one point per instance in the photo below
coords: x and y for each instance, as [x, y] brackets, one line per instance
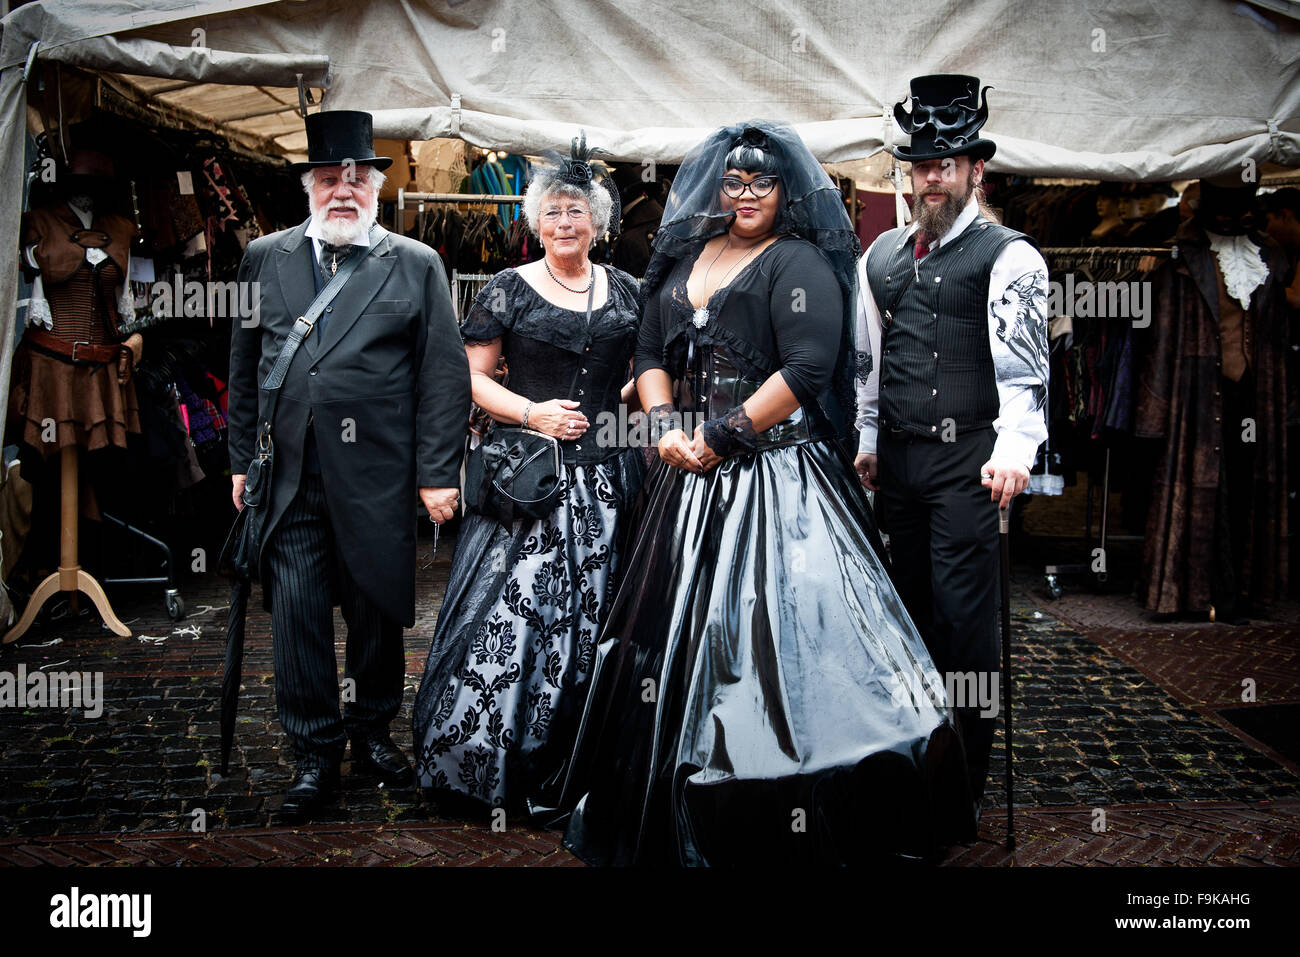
[376, 177]
[330, 231]
[546, 182]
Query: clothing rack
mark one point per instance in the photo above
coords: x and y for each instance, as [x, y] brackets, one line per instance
[483, 199]
[464, 287]
[466, 199]
[1052, 573]
[1108, 250]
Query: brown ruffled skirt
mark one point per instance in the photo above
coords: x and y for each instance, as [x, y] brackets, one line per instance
[84, 404]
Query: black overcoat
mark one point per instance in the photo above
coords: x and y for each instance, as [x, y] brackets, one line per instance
[386, 386]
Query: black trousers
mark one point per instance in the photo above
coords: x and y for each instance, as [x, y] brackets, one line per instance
[943, 541]
[308, 578]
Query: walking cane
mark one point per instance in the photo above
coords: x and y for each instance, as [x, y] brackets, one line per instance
[1004, 533]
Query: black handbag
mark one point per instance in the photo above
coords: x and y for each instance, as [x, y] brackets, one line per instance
[514, 473]
[243, 546]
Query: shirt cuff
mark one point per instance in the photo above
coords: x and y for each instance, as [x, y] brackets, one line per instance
[1016, 448]
[867, 438]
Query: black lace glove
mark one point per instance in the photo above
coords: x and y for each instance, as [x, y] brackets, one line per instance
[730, 433]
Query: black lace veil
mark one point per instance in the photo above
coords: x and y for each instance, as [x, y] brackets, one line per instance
[812, 208]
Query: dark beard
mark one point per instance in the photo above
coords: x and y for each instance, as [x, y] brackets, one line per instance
[937, 220]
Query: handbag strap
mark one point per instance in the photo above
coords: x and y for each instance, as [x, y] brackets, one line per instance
[304, 324]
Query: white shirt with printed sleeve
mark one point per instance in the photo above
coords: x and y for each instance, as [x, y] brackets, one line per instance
[1017, 316]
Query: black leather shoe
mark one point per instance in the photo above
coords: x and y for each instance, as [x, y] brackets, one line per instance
[313, 786]
[375, 752]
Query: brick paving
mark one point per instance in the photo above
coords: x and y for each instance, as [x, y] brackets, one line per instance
[1106, 720]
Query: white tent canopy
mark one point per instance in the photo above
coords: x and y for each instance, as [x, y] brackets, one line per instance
[1162, 90]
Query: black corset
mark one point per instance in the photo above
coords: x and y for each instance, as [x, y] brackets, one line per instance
[553, 353]
[594, 378]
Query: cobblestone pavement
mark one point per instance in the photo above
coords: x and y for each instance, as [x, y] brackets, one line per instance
[1116, 721]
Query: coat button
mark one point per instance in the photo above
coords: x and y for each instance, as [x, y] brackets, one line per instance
[938, 278]
[936, 355]
[580, 392]
[312, 372]
[934, 428]
[934, 315]
[329, 308]
[934, 391]
[577, 448]
[886, 279]
[584, 371]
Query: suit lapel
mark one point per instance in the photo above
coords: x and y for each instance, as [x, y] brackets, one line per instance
[294, 262]
[361, 287]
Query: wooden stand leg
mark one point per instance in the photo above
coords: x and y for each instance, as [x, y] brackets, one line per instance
[70, 576]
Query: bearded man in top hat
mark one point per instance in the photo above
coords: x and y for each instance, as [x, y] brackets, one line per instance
[373, 407]
[951, 402]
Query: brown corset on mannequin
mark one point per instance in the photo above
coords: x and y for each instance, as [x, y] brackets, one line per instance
[84, 403]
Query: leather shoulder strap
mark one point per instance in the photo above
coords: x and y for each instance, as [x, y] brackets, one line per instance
[304, 324]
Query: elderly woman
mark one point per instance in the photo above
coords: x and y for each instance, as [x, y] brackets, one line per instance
[507, 674]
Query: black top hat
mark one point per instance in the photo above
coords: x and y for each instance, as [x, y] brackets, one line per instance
[336, 136]
[947, 111]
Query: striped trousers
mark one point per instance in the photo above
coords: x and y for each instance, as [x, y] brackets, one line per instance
[309, 576]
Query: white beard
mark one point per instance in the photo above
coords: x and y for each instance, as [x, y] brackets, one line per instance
[340, 232]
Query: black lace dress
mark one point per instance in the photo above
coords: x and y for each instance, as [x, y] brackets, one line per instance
[508, 669]
[760, 694]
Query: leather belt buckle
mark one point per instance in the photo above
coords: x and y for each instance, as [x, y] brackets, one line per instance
[74, 352]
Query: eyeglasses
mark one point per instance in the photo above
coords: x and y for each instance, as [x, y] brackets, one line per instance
[575, 214]
[735, 188]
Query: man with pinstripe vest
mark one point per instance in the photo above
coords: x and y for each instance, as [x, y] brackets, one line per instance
[372, 409]
[952, 399]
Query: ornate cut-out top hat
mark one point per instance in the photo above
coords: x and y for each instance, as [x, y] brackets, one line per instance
[336, 136]
[947, 111]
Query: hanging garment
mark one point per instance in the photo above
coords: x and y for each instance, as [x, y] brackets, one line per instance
[1185, 399]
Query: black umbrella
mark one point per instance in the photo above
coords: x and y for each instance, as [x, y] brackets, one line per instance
[230, 678]
[1004, 533]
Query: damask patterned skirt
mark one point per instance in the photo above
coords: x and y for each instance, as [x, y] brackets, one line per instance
[507, 674]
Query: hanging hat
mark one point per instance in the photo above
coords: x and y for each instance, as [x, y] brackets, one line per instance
[1228, 205]
[336, 136]
[947, 111]
[90, 164]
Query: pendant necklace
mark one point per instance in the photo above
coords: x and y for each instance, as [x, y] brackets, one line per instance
[701, 315]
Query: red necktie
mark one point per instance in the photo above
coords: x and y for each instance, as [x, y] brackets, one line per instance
[923, 242]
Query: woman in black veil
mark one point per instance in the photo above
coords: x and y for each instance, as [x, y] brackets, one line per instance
[759, 693]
